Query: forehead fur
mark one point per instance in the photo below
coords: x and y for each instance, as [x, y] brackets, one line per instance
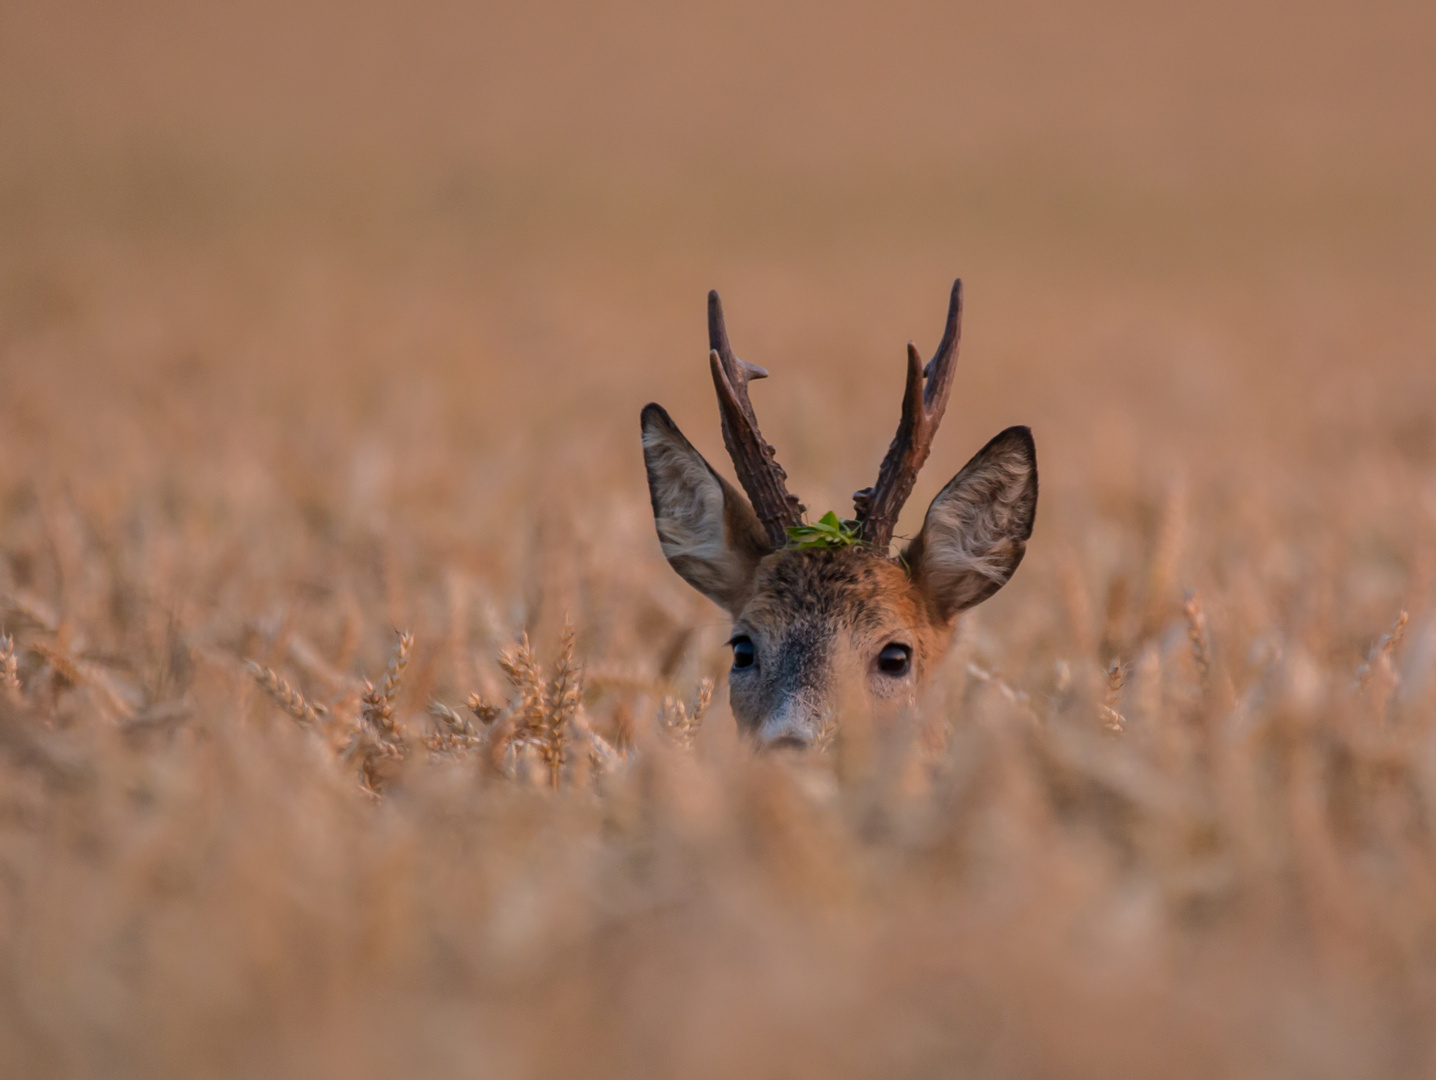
[852, 586]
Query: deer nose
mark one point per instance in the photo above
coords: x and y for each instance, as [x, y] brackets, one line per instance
[793, 727]
[786, 742]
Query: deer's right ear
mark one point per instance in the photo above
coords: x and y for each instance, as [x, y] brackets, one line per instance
[708, 531]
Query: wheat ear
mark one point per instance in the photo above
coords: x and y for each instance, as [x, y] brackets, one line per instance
[1112, 718]
[9, 667]
[1199, 637]
[377, 735]
[287, 697]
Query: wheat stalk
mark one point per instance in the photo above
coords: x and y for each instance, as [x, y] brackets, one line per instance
[601, 753]
[454, 732]
[560, 702]
[9, 667]
[1199, 637]
[542, 711]
[486, 711]
[683, 721]
[286, 696]
[1166, 554]
[1379, 658]
[377, 735]
[378, 702]
[61, 663]
[827, 736]
[1112, 718]
[520, 666]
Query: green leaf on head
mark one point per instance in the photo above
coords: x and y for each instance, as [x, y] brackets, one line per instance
[829, 531]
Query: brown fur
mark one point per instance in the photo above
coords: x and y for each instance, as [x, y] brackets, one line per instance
[820, 619]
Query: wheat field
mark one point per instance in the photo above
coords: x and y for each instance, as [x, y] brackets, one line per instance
[351, 722]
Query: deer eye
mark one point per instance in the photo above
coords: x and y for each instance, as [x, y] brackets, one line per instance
[895, 659]
[744, 652]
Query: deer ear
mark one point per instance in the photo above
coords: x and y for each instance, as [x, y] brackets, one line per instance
[976, 530]
[708, 532]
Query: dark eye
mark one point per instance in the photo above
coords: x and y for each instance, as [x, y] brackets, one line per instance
[895, 659]
[744, 653]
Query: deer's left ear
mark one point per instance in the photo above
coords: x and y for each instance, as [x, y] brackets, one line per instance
[976, 530]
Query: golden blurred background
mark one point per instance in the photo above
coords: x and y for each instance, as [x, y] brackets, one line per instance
[1133, 192]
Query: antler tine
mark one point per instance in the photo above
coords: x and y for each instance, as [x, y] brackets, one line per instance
[758, 470]
[877, 507]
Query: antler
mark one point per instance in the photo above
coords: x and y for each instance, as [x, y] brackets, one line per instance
[877, 507]
[758, 471]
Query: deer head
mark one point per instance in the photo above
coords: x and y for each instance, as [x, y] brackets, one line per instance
[841, 625]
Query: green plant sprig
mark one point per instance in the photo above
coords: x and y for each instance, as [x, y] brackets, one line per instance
[829, 531]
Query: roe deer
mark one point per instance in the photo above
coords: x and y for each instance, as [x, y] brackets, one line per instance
[836, 622]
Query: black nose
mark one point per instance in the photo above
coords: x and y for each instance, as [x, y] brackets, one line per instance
[786, 742]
